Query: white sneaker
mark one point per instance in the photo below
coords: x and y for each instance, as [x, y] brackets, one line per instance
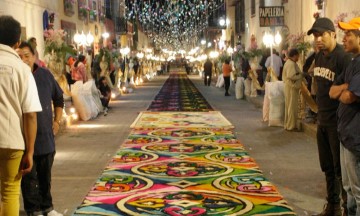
[105, 111]
[54, 213]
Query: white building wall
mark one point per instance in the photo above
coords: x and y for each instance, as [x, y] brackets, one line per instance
[143, 41]
[30, 15]
[298, 16]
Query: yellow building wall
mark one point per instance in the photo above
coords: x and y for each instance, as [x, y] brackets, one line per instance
[30, 14]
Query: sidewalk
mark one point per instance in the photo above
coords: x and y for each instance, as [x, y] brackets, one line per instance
[308, 128]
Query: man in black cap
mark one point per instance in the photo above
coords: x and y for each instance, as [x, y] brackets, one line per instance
[329, 63]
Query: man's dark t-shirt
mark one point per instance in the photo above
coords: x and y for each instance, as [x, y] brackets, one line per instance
[349, 114]
[50, 94]
[327, 69]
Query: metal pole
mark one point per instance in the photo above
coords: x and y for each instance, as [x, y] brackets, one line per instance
[271, 55]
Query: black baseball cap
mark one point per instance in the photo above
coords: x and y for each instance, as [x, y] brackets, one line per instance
[321, 25]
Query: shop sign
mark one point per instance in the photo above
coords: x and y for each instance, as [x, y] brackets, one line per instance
[271, 16]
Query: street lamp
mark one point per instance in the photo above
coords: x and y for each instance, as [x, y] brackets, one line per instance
[140, 55]
[105, 35]
[222, 22]
[214, 54]
[270, 40]
[230, 51]
[83, 40]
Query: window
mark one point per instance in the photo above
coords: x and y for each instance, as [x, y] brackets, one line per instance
[216, 16]
[253, 9]
[240, 17]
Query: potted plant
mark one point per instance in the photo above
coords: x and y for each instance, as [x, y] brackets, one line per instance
[83, 12]
[69, 7]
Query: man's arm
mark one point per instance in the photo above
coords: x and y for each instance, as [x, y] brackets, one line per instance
[58, 103]
[57, 120]
[336, 90]
[30, 129]
[341, 93]
[347, 97]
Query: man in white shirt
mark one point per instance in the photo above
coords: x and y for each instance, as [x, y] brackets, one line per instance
[277, 63]
[18, 106]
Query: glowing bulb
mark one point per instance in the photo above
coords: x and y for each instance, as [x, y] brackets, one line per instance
[77, 37]
[278, 38]
[89, 38]
[222, 22]
[72, 110]
[105, 35]
[74, 116]
[113, 95]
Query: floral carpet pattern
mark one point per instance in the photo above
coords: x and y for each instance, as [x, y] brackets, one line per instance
[185, 170]
[179, 94]
[181, 119]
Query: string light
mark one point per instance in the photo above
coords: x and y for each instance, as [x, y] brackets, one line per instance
[172, 24]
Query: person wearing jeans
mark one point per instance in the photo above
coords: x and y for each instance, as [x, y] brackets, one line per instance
[346, 89]
[36, 185]
[226, 69]
[38, 181]
[329, 64]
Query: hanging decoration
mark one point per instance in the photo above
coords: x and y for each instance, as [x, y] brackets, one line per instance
[172, 24]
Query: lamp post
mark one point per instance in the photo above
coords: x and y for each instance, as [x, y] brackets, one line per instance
[83, 40]
[270, 40]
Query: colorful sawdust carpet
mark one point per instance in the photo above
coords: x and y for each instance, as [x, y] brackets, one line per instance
[212, 119]
[179, 94]
[183, 171]
[182, 164]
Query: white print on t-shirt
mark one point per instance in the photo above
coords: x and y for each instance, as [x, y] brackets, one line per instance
[324, 73]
